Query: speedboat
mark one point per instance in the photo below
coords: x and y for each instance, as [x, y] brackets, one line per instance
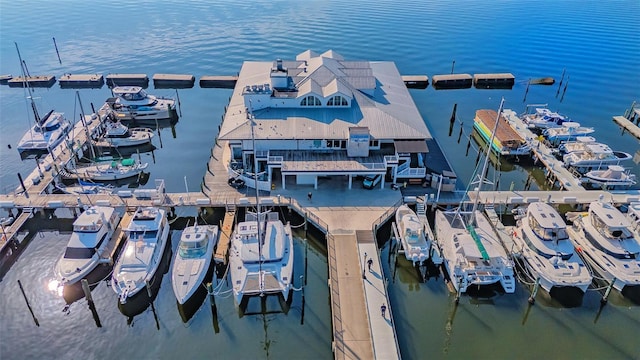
[110, 170]
[261, 257]
[568, 131]
[579, 144]
[46, 134]
[146, 239]
[192, 260]
[612, 177]
[473, 254]
[544, 118]
[417, 248]
[119, 135]
[594, 156]
[604, 238]
[541, 240]
[92, 231]
[133, 103]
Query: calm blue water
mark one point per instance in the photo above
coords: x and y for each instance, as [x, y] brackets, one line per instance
[596, 42]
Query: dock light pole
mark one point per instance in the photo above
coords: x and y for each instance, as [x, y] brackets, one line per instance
[364, 265]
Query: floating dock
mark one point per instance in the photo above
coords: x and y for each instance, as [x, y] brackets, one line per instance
[114, 80]
[416, 81]
[494, 81]
[173, 81]
[219, 82]
[226, 229]
[632, 128]
[43, 81]
[4, 79]
[81, 81]
[110, 251]
[452, 81]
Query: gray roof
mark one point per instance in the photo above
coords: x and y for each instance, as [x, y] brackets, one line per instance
[388, 110]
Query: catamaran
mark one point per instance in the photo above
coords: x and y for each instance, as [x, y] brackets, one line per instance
[541, 240]
[473, 254]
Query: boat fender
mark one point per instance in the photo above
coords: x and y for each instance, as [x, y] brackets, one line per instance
[515, 233]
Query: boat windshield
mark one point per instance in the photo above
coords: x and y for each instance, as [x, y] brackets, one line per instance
[88, 228]
[52, 127]
[140, 95]
[149, 235]
[611, 232]
[79, 253]
[193, 249]
[547, 234]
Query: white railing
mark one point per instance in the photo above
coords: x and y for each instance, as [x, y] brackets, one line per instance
[275, 160]
[390, 159]
[412, 172]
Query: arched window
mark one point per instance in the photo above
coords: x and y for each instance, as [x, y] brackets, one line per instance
[337, 101]
[310, 101]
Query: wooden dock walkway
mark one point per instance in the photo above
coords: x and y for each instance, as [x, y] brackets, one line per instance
[109, 253]
[226, 229]
[626, 124]
[556, 172]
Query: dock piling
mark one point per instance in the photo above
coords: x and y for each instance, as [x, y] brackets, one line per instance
[302, 281]
[24, 188]
[532, 298]
[452, 121]
[605, 298]
[57, 52]
[28, 304]
[92, 307]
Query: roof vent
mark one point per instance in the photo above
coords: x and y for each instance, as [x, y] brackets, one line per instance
[279, 64]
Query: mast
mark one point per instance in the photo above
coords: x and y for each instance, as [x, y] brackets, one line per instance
[84, 124]
[26, 84]
[486, 164]
[255, 177]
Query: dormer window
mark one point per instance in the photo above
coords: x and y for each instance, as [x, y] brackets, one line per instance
[337, 101]
[310, 101]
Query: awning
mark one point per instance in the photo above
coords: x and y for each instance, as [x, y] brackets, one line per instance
[411, 146]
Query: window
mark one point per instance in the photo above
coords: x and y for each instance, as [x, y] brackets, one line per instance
[310, 101]
[337, 101]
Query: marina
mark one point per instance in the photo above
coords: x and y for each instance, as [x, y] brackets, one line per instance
[353, 293]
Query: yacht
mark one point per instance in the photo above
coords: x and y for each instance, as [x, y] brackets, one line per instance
[541, 240]
[417, 248]
[594, 156]
[46, 133]
[261, 256]
[604, 238]
[615, 176]
[118, 135]
[110, 170]
[133, 103]
[567, 132]
[146, 239]
[544, 118]
[192, 260]
[92, 231]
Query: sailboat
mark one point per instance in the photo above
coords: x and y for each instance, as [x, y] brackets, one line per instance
[261, 254]
[48, 131]
[473, 254]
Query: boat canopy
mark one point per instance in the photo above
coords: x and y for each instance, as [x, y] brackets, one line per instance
[504, 133]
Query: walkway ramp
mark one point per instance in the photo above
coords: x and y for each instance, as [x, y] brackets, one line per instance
[224, 241]
[109, 253]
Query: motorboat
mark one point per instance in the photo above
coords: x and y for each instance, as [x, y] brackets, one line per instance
[579, 144]
[109, 170]
[604, 238]
[146, 238]
[411, 232]
[118, 135]
[261, 256]
[92, 231]
[84, 187]
[46, 133]
[473, 253]
[133, 103]
[541, 240]
[544, 118]
[613, 177]
[594, 156]
[567, 132]
[192, 260]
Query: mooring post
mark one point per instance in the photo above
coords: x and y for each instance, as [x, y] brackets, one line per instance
[214, 307]
[532, 298]
[452, 121]
[303, 281]
[605, 298]
[458, 291]
[92, 307]
[306, 219]
[526, 91]
[306, 252]
[28, 304]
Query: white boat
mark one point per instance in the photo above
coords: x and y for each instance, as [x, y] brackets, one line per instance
[473, 253]
[133, 103]
[633, 214]
[192, 260]
[46, 133]
[261, 267]
[411, 231]
[146, 239]
[612, 177]
[92, 231]
[110, 170]
[579, 144]
[604, 238]
[119, 135]
[594, 156]
[544, 118]
[568, 131]
[541, 240]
